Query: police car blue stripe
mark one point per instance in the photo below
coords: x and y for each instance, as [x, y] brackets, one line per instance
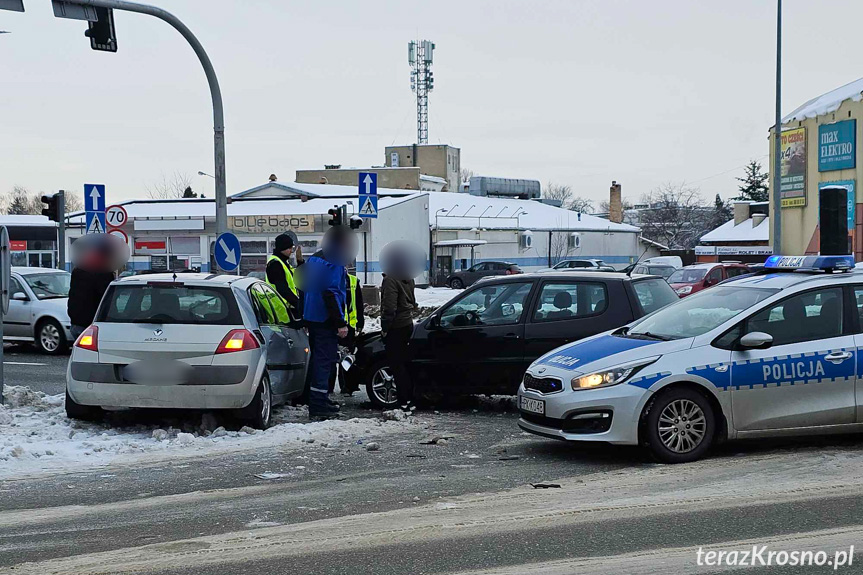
[647, 380]
[579, 354]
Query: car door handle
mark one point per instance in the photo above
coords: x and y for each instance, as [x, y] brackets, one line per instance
[511, 336]
[838, 357]
[290, 342]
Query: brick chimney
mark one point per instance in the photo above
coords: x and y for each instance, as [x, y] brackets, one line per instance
[615, 204]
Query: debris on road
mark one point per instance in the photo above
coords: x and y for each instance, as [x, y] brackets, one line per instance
[545, 485]
[372, 446]
[508, 458]
[272, 475]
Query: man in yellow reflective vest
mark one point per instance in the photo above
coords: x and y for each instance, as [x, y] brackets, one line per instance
[355, 318]
[354, 312]
[280, 272]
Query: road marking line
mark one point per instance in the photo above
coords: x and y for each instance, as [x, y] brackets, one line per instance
[22, 363]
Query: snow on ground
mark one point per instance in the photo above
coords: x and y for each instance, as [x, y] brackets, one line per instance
[435, 296]
[37, 437]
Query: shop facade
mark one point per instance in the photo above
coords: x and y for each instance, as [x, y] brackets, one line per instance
[820, 169]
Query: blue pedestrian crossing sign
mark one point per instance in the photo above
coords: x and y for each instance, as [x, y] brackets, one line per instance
[95, 223]
[94, 208]
[228, 252]
[368, 191]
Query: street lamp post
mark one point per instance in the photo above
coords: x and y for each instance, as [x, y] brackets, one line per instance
[200, 173]
[482, 214]
[776, 216]
[215, 93]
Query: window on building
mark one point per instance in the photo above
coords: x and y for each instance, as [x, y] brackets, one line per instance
[185, 246]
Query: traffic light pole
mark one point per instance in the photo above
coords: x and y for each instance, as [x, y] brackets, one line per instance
[215, 93]
[61, 230]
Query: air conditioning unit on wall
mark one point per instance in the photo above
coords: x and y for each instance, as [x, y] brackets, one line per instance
[574, 241]
[526, 239]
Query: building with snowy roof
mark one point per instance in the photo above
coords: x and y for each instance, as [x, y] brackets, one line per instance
[744, 238]
[820, 167]
[458, 230]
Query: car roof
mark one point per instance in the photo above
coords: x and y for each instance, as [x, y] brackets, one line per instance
[586, 275]
[198, 279]
[785, 280]
[27, 271]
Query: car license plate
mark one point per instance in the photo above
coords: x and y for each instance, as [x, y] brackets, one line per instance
[533, 405]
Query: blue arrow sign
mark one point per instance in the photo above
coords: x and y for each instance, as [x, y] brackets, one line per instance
[94, 197]
[368, 192]
[228, 252]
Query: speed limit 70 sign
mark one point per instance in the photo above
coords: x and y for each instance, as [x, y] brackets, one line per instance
[116, 216]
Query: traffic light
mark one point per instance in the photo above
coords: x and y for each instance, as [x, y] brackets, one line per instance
[101, 32]
[335, 217]
[54, 211]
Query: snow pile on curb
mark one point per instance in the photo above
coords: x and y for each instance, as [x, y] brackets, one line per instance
[36, 436]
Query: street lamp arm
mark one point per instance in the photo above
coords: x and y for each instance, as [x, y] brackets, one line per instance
[215, 92]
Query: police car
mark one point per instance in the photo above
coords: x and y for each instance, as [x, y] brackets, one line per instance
[779, 352]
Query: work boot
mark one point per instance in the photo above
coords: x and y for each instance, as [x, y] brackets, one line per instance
[319, 405]
[334, 405]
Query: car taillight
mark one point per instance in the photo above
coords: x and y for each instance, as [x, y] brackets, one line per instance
[237, 340]
[89, 339]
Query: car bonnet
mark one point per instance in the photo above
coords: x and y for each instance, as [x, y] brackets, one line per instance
[604, 351]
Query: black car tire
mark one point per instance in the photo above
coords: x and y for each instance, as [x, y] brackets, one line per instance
[259, 413]
[456, 283]
[682, 413]
[75, 410]
[53, 333]
[378, 373]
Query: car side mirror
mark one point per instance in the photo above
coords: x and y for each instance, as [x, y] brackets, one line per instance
[20, 296]
[507, 310]
[756, 340]
[434, 322]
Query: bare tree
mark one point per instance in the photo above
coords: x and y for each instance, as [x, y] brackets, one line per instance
[74, 203]
[580, 204]
[169, 187]
[558, 247]
[560, 192]
[464, 175]
[676, 216]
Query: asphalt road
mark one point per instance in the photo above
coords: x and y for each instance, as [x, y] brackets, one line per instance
[412, 507]
[23, 365]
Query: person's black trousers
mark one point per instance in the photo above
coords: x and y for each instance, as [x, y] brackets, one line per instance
[396, 345]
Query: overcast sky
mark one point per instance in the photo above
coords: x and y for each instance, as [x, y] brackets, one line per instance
[576, 92]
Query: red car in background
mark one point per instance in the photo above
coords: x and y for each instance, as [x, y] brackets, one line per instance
[690, 279]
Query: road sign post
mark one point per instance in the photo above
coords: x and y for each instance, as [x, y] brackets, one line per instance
[368, 194]
[227, 252]
[5, 281]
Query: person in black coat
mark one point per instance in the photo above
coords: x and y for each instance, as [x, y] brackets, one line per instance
[91, 277]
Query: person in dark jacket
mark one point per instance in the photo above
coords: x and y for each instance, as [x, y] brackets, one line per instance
[89, 282]
[280, 272]
[401, 262]
[324, 283]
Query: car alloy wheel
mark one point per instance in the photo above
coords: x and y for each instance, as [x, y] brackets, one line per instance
[266, 403]
[456, 284]
[384, 386]
[49, 337]
[682, 426]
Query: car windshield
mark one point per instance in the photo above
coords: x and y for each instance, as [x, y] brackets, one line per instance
[687, 275]
[51, 285]
[698, 313]
[664, 271]
[170, 304]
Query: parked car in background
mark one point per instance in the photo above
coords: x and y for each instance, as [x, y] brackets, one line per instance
[663, 270]
[691, 279]
[464, 278]
[37, 309]
[483, 339]
[194, 341]
[583, 265]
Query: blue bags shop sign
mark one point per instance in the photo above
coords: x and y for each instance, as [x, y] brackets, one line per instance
[837, 146]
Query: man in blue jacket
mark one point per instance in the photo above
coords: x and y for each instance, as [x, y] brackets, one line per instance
[324, 281]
